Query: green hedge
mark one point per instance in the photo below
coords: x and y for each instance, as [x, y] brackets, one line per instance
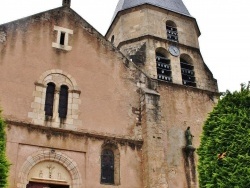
[4, 165]
[227, 130]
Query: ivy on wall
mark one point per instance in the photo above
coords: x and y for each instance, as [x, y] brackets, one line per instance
[4, 165]
[224, 153]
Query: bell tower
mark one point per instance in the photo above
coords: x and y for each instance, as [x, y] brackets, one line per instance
[161, 38]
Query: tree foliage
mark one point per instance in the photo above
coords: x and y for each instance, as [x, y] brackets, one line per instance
[224, 153]
[4, 165]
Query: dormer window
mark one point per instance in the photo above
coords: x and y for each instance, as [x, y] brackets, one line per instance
[172, 33]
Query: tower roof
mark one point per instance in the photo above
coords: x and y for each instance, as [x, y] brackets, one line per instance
[172, 5]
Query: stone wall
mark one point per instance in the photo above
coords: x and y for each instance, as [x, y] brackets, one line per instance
[100, 79]
[145, 26]
[78, 153]
[101, 107]
[111, 102]
[149, 20]
[182, 107]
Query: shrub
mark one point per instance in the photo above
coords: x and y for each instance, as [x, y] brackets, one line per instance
[224, 153]
[4, 165]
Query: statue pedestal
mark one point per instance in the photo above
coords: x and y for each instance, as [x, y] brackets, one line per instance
[189, 149]
[190, 167]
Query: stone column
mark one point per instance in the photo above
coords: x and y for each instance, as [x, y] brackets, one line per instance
[154, 175]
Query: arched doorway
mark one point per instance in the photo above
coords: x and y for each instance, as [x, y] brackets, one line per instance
[49, 169]
[49, 174]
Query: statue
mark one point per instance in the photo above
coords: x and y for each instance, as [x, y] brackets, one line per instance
[189, 137]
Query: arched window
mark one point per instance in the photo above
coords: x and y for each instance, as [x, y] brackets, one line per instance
[172, 33]
[55, 91]
[187, 73]
[49, 100]
[63, 101]
[107, 166]
[163, 68]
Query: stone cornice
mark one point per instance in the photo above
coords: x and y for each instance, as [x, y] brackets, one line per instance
[50, 131]
[157, 39]
[194, 89]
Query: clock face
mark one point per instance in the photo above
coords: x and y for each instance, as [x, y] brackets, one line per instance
[174, 50]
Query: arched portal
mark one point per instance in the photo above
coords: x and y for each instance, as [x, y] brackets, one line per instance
[49, 168]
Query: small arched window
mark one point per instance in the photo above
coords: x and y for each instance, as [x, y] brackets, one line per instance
[107, 166]
[63, 101]
[172, 33]
[49, 100]
[163, 68]
[187, 73]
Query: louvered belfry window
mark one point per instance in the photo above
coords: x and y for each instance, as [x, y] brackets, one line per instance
[163, 68]
[187, 73]
[172, 33]
[63, 101]
[107, 166]
[49, 100]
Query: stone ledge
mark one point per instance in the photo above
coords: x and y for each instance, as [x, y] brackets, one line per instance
[122, 140]
[189, 88]
[144, 37]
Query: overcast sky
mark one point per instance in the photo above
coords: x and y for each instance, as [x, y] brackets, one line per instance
[224, 26]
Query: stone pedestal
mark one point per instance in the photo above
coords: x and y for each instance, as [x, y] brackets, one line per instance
[190, 167]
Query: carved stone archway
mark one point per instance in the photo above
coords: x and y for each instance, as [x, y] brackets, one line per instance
[71, 81]
[53, 156]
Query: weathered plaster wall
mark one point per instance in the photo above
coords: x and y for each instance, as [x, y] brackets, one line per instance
[84, 150]
[104, 78]
[181, 107]
[107, 88]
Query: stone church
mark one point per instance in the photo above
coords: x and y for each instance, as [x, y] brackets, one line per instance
[90, 111]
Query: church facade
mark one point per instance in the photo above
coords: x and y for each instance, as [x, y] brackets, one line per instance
[90, 111]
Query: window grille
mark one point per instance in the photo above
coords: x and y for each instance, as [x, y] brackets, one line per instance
[107, 166]
[49, 100]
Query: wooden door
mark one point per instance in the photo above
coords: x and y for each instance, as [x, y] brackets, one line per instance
[45, 185]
